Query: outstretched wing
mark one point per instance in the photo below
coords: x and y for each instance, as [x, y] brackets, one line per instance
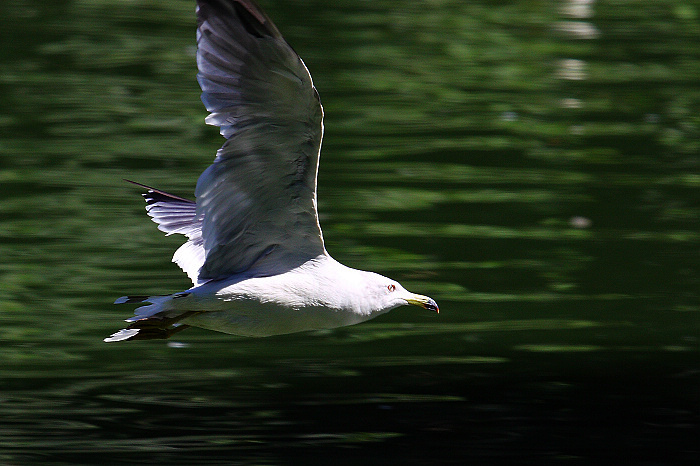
[258, 199]
[175, 214]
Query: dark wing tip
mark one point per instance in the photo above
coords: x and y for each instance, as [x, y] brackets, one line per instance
[156, 195]
[251, 16]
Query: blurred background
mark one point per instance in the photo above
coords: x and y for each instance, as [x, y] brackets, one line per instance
[532, 165]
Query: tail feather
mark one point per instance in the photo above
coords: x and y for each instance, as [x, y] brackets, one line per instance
[145, 333]
[134, 299]
[152, 328]
[122, 335]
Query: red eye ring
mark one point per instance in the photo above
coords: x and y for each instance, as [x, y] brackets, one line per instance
[391, 287]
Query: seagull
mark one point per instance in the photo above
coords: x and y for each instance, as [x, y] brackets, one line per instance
[255, 250]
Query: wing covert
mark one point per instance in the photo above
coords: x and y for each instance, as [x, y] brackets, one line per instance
[258, 198]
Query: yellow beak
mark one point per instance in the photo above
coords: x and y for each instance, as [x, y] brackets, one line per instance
[424, 302]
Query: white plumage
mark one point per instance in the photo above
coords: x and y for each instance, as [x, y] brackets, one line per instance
[255, 251]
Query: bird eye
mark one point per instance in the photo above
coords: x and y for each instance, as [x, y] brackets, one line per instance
[391, 287]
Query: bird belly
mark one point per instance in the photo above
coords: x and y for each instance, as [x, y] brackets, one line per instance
[255, 319]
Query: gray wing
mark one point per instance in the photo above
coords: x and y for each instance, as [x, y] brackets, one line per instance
[257, 200]
[174, 214]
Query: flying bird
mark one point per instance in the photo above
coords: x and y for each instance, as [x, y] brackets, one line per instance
[255, 251]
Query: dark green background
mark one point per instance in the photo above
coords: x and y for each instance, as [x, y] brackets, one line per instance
[543, 187]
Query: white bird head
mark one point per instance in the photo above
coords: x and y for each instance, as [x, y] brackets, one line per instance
[385, 294]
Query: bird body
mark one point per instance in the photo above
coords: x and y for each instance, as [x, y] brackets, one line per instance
[294, 301]
[255, 251]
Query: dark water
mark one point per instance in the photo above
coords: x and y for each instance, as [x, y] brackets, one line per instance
[533, 166]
